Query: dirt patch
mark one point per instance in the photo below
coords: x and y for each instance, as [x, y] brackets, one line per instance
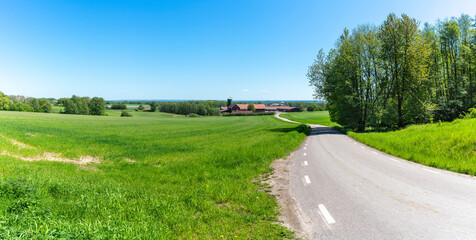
[17, 143]
[30, 134]
[291, 216]
[54, 157]
[130, 160]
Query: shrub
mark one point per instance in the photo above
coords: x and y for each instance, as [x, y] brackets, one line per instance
[251, 107]
[119, 106]
[125, 113]
[471, 113]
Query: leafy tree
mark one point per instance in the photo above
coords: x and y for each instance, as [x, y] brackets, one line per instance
[97, 106]
[119, 106]
[4, 101]
[153, 107]
[251, 107]
[312, 107]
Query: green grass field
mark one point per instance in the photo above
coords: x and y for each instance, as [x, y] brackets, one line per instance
[450, 146]
[160, 176]
[317, 117]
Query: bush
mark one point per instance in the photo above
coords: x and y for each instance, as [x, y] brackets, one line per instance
[119, 106]
[471, 113]
[125, 114]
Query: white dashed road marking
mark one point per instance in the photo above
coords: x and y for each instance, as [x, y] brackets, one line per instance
[327, 216]
[306, 178]
[304, 154]
[305, 163]
[375, 153]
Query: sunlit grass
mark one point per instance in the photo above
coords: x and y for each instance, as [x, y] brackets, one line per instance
[161, 176]
[450, 146]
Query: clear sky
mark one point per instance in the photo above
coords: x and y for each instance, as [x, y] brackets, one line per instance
[253, 50]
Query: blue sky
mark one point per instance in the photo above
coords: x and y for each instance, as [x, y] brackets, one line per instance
[256, 50]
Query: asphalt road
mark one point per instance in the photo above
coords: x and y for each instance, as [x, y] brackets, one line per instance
[348, 190]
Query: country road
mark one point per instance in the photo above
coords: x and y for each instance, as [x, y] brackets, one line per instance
[347, 190]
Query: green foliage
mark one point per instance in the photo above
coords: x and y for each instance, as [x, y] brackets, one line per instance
[471, 113]
[141, 108]
[155, 179]
[153, 107]
[397, 74]
[84, 105]
[97, 106]
[314, 107]
[119, 106]
[193, 115]
[204, 108]
[4, 101]
[251, 107]
[125, 113]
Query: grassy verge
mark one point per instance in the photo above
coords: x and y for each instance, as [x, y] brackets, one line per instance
[450, 146]
[161, 176]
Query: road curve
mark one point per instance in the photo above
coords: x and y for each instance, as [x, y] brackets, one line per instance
[351, 191]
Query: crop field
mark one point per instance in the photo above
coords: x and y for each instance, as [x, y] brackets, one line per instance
[450, 145]
[151, 176]
[317, 117]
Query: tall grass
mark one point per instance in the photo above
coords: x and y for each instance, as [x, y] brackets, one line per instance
[161, 176]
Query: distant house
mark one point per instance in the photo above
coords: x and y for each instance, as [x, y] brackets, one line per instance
[238, 107]
[260, 108]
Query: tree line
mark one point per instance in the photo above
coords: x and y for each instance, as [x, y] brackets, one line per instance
[397, 74]
[83, 105]
[204, 108]
[23, 104]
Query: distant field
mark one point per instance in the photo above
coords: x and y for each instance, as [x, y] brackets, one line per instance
[450, 146]
[160, 176]
[57, 109]
[317, 117]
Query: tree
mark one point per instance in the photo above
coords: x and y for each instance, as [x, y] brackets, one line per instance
[251, 107]
[313, 107]
[153, 107]
[119, 106]
[97, 106]
[4, 101]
